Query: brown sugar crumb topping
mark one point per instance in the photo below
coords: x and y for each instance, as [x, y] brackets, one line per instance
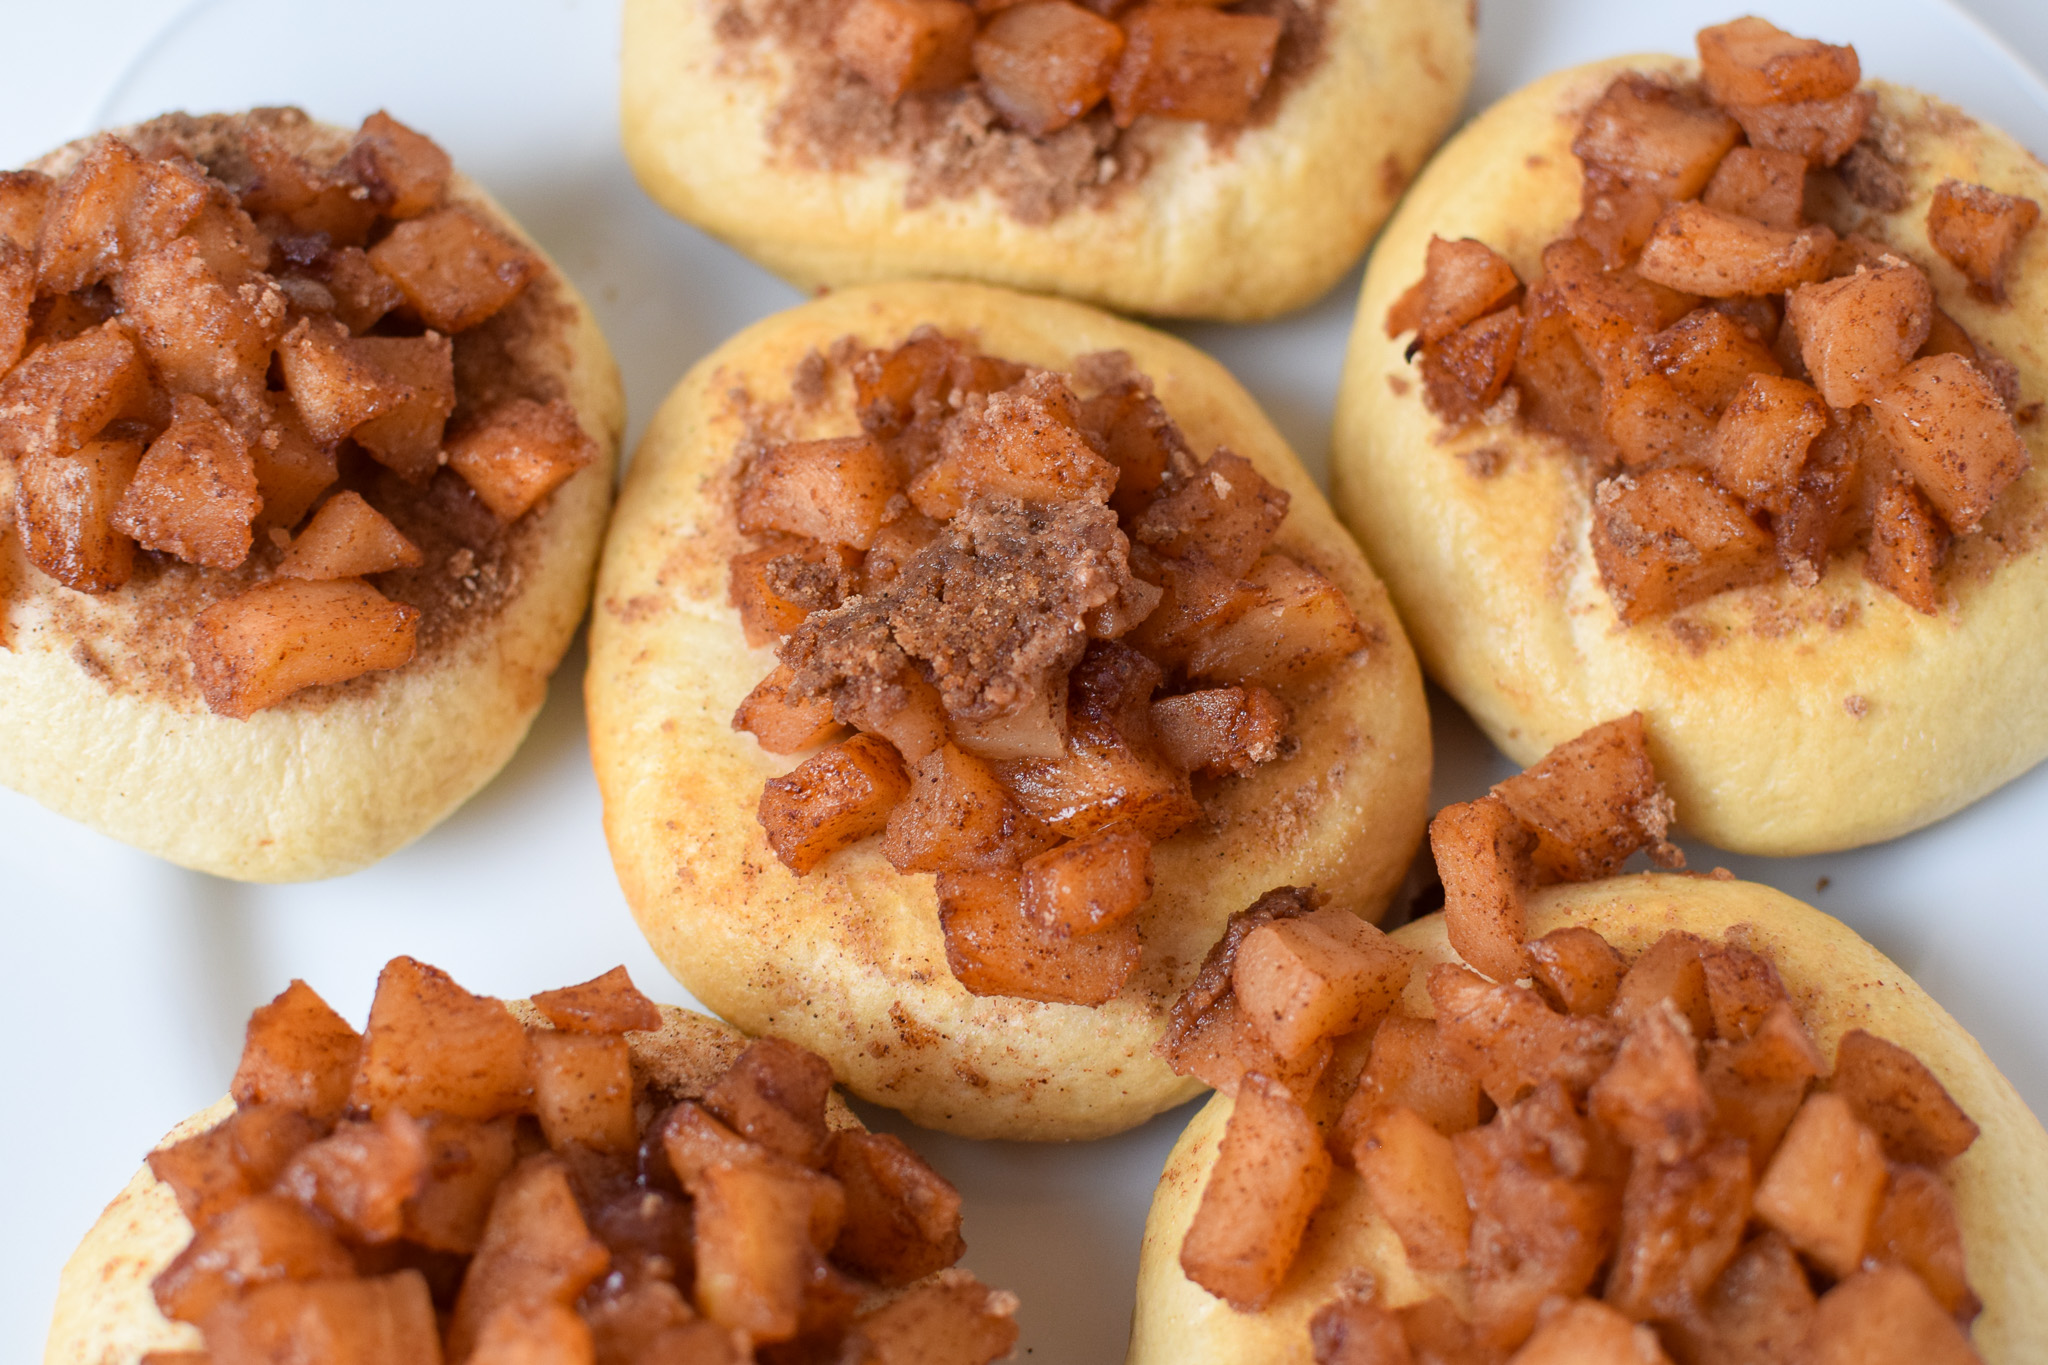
[1754, 393]
[214, 328]
[1044, 619]
[1627, 1161]
[460, 1182]
[1045, 103]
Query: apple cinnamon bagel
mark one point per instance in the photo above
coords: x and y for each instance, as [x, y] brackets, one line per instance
[308, 455]
[1225, 161]
[1724, 406]
[942, 579]
[585, 1177]
[1715, 1125]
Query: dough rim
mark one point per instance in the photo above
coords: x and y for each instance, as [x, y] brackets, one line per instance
[1868, 730]
[1838, 980]
[848, 961]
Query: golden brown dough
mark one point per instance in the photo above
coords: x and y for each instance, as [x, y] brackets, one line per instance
[848, 961]
[1784, 720]
[105, 1314]
[100, 719]
[1240, 226]
[1838, 982]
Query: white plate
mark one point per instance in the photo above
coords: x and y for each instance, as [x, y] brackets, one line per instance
[129, 979]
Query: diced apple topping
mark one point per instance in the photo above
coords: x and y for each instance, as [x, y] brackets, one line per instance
[832, 801]
[1671, 537]
[454, 269]
[64, 511]
[1950, 431]
[251, 652]
[348, 538]
[906, 46]
[836, 492]
[1899, 1099]
[194, 495]
[1751, 61]
[995, 948]
[1269, 1176]
[1885, 1316]
[1192, 62]
[1823, 1186]
[1979, 230]
[1758, 183]
[520, 452]
[1045, 63]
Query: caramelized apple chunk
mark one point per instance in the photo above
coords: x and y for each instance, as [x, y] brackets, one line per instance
[1511, 1041]
[1700, 250]
[1757, 182]
[1758, 1083]
[1857, 331]
[1412, 1174]
[454, 269]
[906, 46]
[1591, 802]
[390, 1318]
[1885, 1316]
[583, 1090]
[1907, 545]
[17, 300]
[1090, 884]
[952, 1317]
[520, 452]
[1979, 231]
[832, 800]
[1674, 969]
[64, 510]
[1045, 63]
[66, 391]
[194, 494]
[1761, 442]
[1298, 628]
[1894, 1094]
[1821, 131]
[465, 1161]
[834, 491]
[1464, 374]
[434, 1048]
[1916, 1227]
[404, 171]
[348, 538]
[1752, 61]
[407, 437]
[214, 1171]
[298, 1052]
[1482, 853]
[253, 651]
[1652, 138]
[1409, 1067]
[292, 469]
[1191, 62]
[1670, 537]
[261, 1241]
[993, 949]
[1951, 432]
[1462, 282]
[1220, 730]
[361, 1176]
[1823, 1187]
[1270, 1173]
[1652, 1097]
[536, 1248]
[1224, 513]
[1316, 976]
[1575, 969]
[610, 1003]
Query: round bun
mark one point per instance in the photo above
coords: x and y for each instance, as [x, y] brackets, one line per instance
[1240, 225]
[101, 720]
[849, 960]
[1784, 720]
[105, 1313]
[1837, 981]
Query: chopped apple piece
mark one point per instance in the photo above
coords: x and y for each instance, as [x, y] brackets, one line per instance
[1462, 282]
[17, 297]
[1652, 1097]
[292, 469]
[775, 587]
[1357, 1329]
[1482, 853]
[754, 1229]
[1857, 331]
[1412, 1175]
[194, 494]
[1560, 388]
[1752, 61]
[1464, 373]
[266, 1239]
[995, 950]
[952, 1318]
[361, 1176]
[1671, 969]
[1317, 976]
[434, 1048]
[954, 818]
[1699, 250]
[1950, 430]
[1299, 629]
[783, 726]
[1822, 131]
[1907, 545]
[348, 538]
[1410, 1068]
[66, 391]
[1270, 1173]
[1706, 356]
[583, 1091]
[774, 1095]
[1090, 884]
[384, 1320]
[1742, 989]
[465, 1162]
[1917, 1228]
[333, 382]
[1650, 423]
[902, 1218]
[1507, 1037]
[81, 229]
[1612, 314]
[520, 452]
[204, 332]
[454, 269]
[1221, 730]
[694, 1142]
[64, 510]
[536, 1248]
[533, 1334]
[1668, 538]
[1653, 138]
[1045, 63]
[1979, 230]
[1225, 512]
[835, 491]
[903, 47]
[832, 800]
[298, 1052]
[1575, 969]
[24, 199]
[1131, 429]
[610, 1003]
[1756, 182]
[1885, 1316]
[1758, 1083]
[1025, 444]
[1761, 442]
[1759, 1310]
[215, 1170]
[1588, 1332]
[405, 172]
[1591, 802]
[1823, 1186]
[1191, 62]
[407, 437]
[1899, 1099]
[253, 651]
[1615, 219]
[1681, 1225]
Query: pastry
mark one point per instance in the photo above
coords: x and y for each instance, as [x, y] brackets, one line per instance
[1680, 465]
[1226, 162]
[1704, 1088]
[583, 1171]
[935, 483]
[308, 455]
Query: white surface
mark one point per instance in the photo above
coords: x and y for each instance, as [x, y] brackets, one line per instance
[131, 979]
